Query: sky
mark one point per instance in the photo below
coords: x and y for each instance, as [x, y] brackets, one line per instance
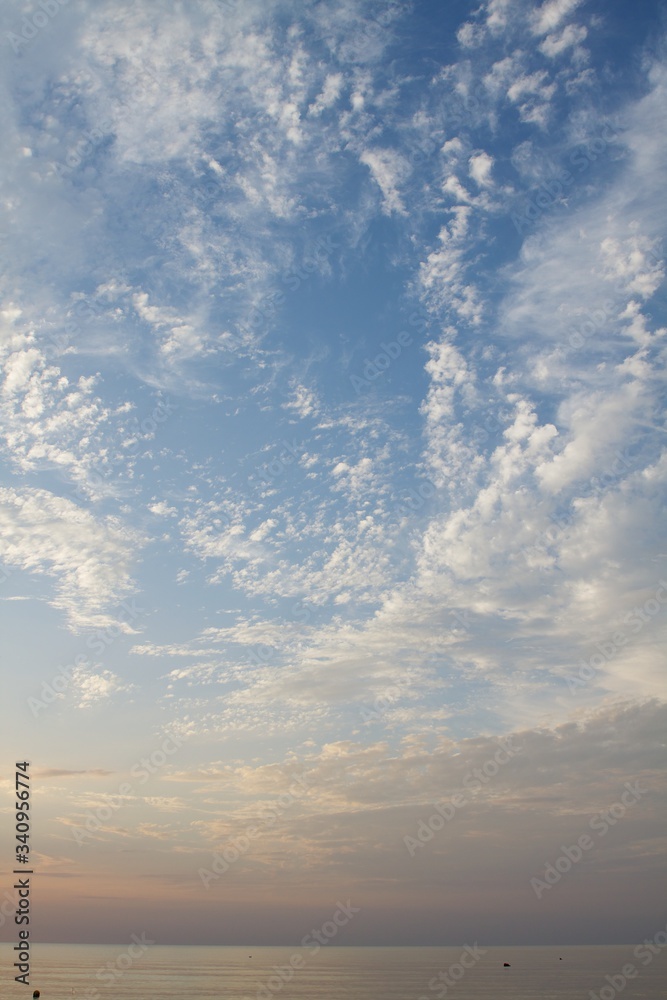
[332, 561]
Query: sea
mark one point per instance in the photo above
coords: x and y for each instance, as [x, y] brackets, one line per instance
[161, 972]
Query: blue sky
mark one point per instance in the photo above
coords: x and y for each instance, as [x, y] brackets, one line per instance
[333, 445]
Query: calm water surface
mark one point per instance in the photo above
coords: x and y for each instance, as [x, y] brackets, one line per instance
[166, 973]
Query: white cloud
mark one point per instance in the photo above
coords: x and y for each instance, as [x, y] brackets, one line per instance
[470, 35]
[333, 85]
[569, 37]
[304, 401]
[92, 686]
[598, 425]
[480, 168]
[531, 83]
[389, 169]
[162, 509]
[90, 559]
[497, 15]
[551, 14]
[442, 274]
[50, 421]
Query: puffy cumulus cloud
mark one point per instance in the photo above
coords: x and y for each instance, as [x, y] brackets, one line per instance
[575, 286]
[532, 83]
[330, 93]
[595, 427]
[355, 479]
[217, 531]
[178, 338]
[554, 44]
[470, 35]
[51, 536]
[498, 13]
[91, 686]
[443, 274]
[162, 509]
[522, 558]
[449, 450]
[54, 421]
[389, 169]
[14, 335]
[480, 168]
[499, 65]
[551, 15]
[292, 529]
[635, 262]
[304, 401]
[355, 564]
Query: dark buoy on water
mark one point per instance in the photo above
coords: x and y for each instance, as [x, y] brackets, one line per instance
[35, 995]
[506, 965]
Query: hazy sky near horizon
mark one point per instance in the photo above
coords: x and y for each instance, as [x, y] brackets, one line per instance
[331, 414]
